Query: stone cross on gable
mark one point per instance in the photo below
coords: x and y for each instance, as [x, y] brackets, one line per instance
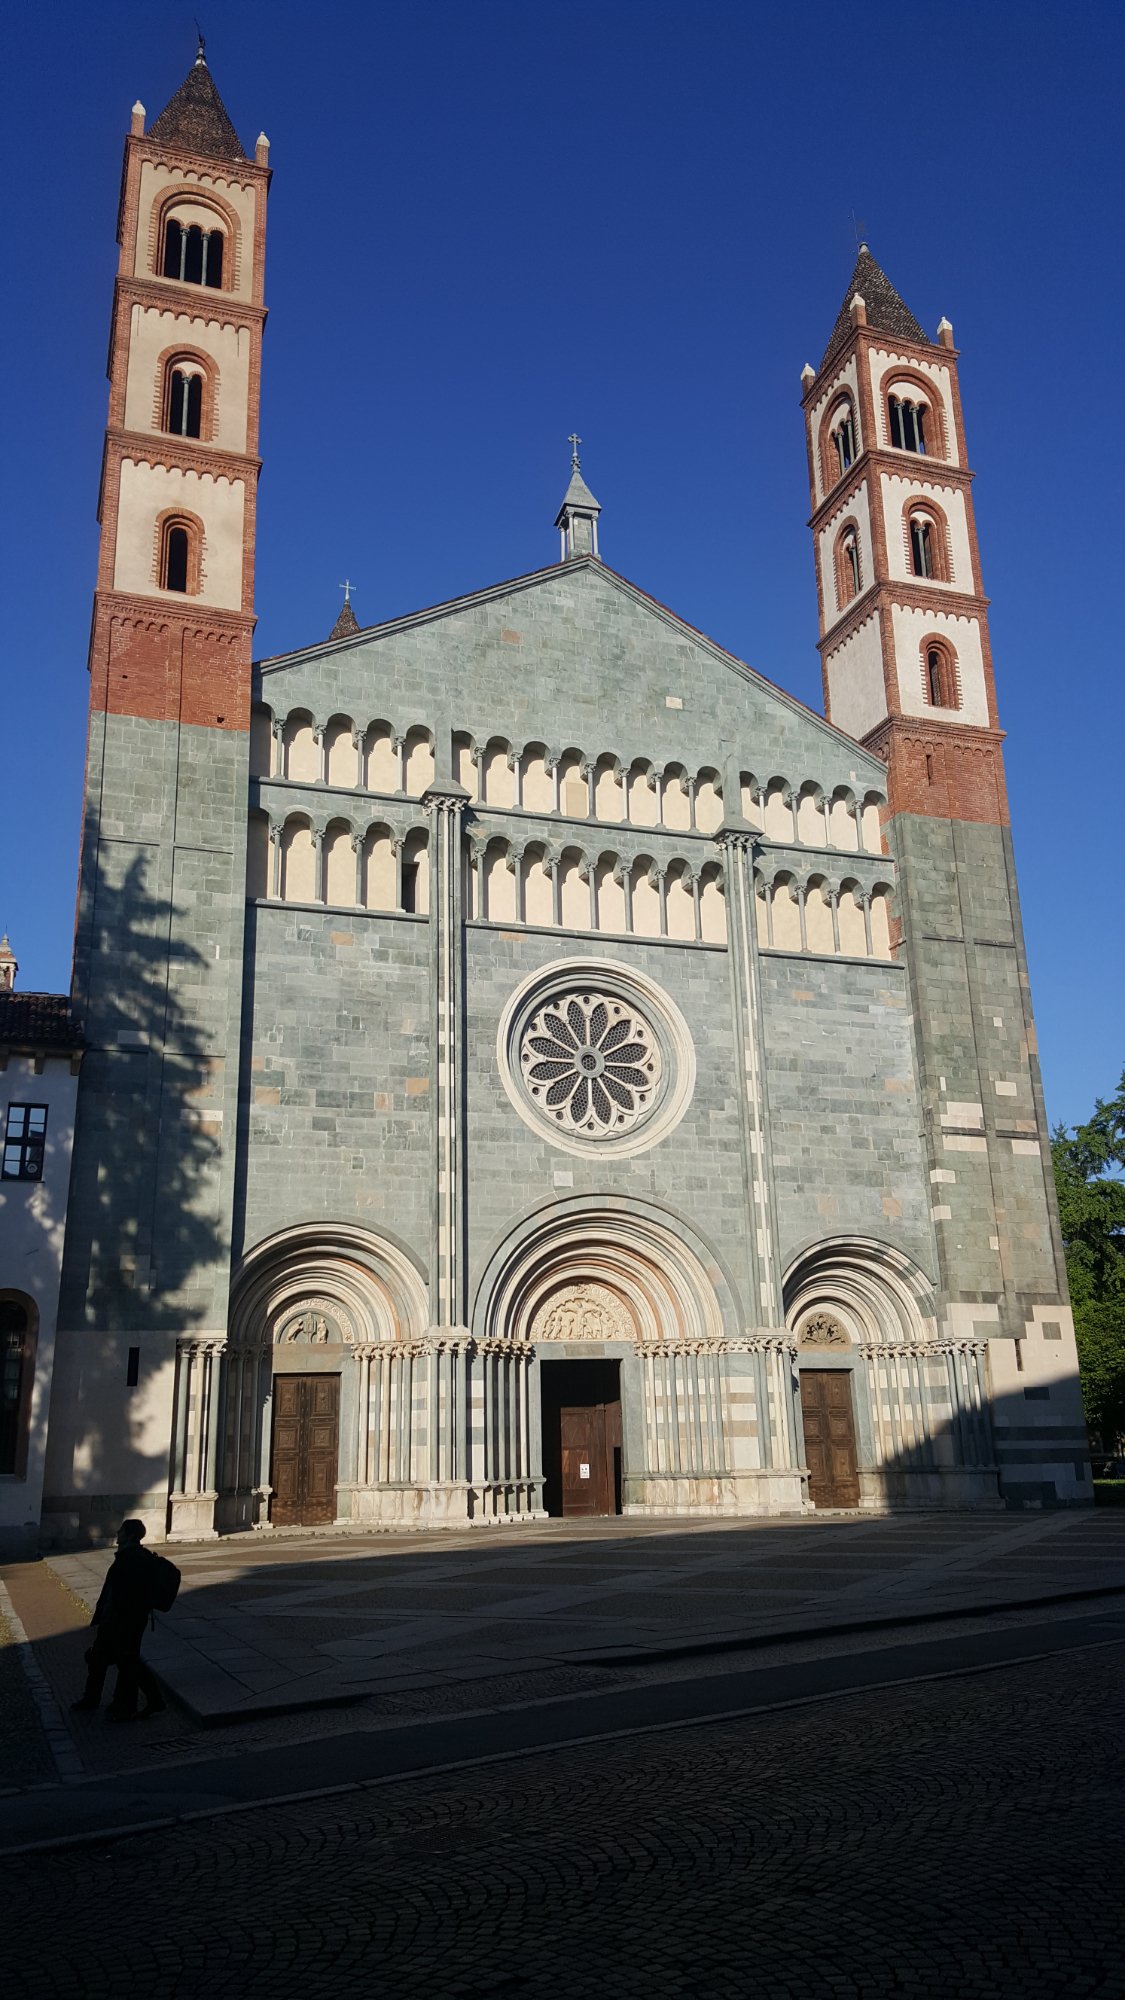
[347, 588]
[574, 441]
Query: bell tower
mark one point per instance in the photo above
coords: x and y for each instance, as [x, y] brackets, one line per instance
[907, 669]
[159, 932]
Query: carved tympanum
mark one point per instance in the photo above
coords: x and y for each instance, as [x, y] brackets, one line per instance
[583, 1312]
[822, 1330]
[314, 1323]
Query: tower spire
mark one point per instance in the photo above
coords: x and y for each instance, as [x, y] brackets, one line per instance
[577, 518]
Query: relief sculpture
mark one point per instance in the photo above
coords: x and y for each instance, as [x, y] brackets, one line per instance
[583, 1312]
[315, 1322]
[822, 1330]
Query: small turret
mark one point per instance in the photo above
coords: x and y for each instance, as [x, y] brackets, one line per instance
[8, 966]
[577, 518]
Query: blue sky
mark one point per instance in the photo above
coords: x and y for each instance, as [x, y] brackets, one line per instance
[492, 225]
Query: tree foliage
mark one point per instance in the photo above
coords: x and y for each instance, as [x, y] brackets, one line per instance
[1090, 1178]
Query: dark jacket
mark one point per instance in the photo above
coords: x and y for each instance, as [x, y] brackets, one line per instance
[124, 1601]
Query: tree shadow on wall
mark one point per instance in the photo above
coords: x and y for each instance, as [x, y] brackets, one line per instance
[147, 1251]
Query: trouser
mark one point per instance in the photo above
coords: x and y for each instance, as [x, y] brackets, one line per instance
[123, 1651]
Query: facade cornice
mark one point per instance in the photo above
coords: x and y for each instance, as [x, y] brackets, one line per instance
[877, 459]
[187, 301]
[171, 608]
[944, 600]
[180, 454]
[865, 337]
[921, 727]
[209, 166]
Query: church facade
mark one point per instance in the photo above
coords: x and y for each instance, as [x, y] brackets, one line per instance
[533, 1064]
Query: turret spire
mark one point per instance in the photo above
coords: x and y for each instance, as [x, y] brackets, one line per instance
[885, 311]
[577, 518]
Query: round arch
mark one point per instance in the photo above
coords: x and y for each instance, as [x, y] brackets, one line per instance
[377, 1289]
[663, 1283]
[877, 1293]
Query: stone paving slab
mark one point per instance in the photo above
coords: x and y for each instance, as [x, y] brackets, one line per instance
[269, 1625]
[112, 1805]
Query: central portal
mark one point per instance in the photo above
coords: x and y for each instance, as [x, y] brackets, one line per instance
[581, 1437]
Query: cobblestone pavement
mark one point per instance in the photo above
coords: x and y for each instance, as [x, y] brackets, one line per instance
[959, 1839]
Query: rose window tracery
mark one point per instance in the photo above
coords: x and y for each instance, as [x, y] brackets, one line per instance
[590, 1063]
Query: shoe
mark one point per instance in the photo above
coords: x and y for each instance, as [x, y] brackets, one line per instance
[84, 1705]
[115, 1714]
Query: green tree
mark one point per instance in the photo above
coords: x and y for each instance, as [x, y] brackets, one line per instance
[1090, 1179]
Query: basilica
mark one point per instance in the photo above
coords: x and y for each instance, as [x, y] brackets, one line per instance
[530, 1064]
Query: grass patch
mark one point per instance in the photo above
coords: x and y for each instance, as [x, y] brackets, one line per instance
[1109, 1492]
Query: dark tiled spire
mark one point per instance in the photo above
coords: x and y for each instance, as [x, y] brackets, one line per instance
[196, 117]
[886, 312]
[347, 624]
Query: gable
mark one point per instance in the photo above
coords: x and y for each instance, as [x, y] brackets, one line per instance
[573, 657]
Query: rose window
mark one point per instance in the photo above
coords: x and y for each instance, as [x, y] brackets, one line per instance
[590, 1063]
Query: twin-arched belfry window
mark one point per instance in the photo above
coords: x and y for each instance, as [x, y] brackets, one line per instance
[184, 406]
[193, 254]
[907, 419]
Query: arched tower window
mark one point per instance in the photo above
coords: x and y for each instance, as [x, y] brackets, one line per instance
[185, 402]
[927, 543]
[940, 682]
[843, 439]
[193, 254]
[849, 573]
[178, 553]
[921, 545]
[907, 419]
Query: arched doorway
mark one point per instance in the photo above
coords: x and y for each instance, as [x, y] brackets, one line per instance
[615, 1331]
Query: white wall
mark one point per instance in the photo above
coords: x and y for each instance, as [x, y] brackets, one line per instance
[151, 332]
[963, 634]
[853, 502]
[857, 697]
[896, 491]
[147, 491]
[32, 1217]
[882, 362]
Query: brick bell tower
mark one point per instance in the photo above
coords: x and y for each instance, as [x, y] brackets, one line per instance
[907, 670]
[159, 936]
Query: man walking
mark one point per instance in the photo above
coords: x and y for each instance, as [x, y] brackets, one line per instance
[119, 1621]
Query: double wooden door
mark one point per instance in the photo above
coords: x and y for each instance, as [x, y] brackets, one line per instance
[829, 1425]
[306, 1450]
[582, 1437]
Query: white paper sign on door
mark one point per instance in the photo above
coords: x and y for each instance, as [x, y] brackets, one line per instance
[583, 1470]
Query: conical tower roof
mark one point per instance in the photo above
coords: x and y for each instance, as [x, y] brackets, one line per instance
[196, 117]
[886, 312]
[347, 624]
[577, 498]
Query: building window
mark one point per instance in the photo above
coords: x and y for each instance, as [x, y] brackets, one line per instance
[178, 553]
[849, 576]
[908, 424]
[939, 676]
[193, 255]
[14, 1358]
[843, 439]
[921, 546]
[185, 403]
[25, 1137]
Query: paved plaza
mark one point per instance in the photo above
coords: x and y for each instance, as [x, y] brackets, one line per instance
[838, 1757]
[954, 1839]
[267, 1623]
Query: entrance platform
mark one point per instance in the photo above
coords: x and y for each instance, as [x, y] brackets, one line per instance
[295, 1622]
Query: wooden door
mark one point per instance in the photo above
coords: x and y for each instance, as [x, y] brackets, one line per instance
[829, 1425]
[581, 1403]
[305, 1451]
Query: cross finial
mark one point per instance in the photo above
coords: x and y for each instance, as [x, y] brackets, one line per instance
[347, 587]
[200, 53]
[574, 441]
[860, 228]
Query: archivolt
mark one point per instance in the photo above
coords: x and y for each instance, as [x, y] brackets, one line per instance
[877, 1292]
[371, 1279]
[670, 1293]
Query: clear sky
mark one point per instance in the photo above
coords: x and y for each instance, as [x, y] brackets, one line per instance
[493, 224]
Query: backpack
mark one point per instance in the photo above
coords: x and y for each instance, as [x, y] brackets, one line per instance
[162, 1581]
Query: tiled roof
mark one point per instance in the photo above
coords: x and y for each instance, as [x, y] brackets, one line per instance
[886, 312]
[196, 119]
[38, 1021]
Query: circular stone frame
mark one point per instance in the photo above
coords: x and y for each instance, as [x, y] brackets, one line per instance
[557, 981]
